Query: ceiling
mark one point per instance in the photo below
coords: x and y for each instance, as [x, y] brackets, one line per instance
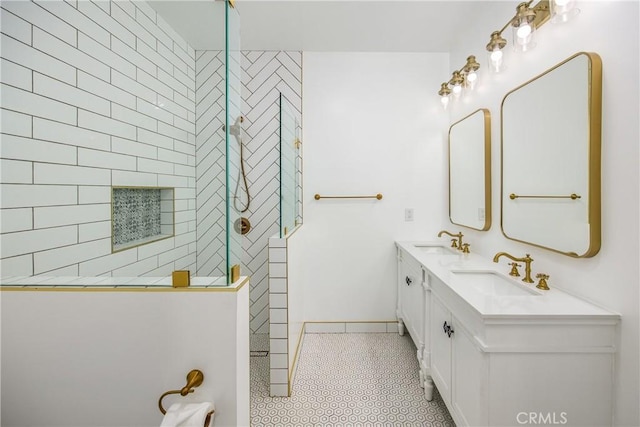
[323, 25]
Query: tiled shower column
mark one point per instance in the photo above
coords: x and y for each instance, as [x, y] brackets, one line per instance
[278, 318]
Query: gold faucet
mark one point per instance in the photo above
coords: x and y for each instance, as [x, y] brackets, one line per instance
[542, 283]
[527, 264]
[454, 243]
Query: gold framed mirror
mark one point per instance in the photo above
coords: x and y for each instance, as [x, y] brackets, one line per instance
[550, 158]
[470, 171]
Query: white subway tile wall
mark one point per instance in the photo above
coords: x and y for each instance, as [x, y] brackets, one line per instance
[277, 316]
[94, 95]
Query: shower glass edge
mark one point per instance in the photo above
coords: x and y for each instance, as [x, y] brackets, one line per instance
[289, 158]
[233, 107]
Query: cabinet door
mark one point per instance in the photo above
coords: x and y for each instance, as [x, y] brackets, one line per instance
[441, 348]
[470, 382]
[411, 303]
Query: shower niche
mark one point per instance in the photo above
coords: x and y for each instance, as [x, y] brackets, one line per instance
[141, 215]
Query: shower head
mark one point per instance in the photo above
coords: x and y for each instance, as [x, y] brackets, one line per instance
[236, 128]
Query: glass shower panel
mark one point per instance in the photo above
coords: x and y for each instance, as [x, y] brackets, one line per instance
[236, 201]
[289, 185]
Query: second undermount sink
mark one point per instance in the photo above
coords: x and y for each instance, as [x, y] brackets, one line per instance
[492, 283]
[435, 249]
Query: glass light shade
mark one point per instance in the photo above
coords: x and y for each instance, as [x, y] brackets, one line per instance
[444, 99]
[563, 10]
[444, 93]
[457, 90]
[472, 78]
[495, 60]
[523, 36]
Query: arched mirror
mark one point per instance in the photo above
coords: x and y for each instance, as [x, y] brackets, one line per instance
[470, 171]
[551, 158]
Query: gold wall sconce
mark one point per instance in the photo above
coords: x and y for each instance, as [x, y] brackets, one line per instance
[524, 24]
[464, 78]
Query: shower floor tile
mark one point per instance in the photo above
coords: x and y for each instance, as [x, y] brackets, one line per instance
[349, 380]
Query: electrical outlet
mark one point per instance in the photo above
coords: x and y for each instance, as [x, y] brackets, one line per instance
[408, 214]
[480, 214]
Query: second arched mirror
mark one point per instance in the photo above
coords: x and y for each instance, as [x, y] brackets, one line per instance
[470, 171]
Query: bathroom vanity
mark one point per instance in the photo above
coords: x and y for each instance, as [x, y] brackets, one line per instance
[500, 351]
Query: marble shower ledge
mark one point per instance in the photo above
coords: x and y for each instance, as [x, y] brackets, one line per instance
[76, 282]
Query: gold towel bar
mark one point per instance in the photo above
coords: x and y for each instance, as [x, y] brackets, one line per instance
[573, 196]
[377, 196]
[194, 379]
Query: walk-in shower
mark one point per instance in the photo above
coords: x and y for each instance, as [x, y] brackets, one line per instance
[121, 123]
[116, 173]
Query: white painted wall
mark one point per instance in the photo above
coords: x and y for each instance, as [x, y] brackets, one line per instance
[371, 125]
[104, 358]
[611, 278]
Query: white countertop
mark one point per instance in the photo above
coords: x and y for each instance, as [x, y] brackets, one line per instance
[553, 303]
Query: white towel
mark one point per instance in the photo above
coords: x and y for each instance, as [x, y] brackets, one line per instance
[187, 415]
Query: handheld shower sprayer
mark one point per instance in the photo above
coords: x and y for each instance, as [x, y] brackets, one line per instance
[236, 130]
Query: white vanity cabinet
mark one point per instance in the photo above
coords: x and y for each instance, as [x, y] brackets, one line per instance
[411, 311]
[458, 368]
[506, 370]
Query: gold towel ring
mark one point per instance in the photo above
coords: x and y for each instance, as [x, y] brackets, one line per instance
[194, 379]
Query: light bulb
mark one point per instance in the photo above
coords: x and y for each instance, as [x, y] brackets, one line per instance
[444, 99]
[495, 61]
[472, 77]
[457, 90]
[524, 31]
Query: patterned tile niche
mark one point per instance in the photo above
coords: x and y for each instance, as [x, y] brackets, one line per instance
[141, 215]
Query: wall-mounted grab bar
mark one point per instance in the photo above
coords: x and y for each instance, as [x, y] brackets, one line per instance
[572, 196]
[194, 379]
[377, 196]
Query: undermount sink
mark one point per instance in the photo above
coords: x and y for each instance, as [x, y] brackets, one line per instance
[492, 283]
[436, 249]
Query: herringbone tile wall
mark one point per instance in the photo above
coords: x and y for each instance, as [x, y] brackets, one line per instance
[210, 164]
[264, 76]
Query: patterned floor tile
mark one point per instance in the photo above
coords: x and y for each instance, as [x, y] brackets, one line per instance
[349, 380]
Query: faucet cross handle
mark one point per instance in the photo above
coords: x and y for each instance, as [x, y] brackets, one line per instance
[465, 248]
[514, 269]
[542, 283]
[454, 243]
